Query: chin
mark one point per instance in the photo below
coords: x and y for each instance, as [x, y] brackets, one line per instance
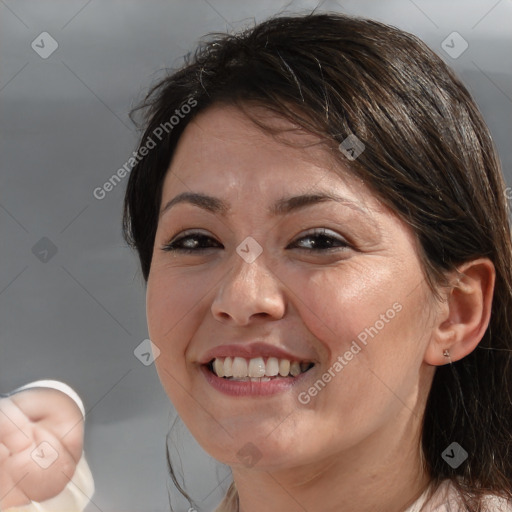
[258, 451]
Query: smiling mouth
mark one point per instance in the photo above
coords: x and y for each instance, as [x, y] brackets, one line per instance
[257, 369]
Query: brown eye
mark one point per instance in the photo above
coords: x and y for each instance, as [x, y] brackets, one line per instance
[191, 243]
[319, 240]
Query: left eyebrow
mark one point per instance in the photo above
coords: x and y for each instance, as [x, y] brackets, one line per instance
[282, 206]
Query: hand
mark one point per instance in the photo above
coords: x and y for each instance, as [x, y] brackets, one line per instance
[27, 419]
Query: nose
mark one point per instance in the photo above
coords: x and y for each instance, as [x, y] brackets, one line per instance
[249, 291]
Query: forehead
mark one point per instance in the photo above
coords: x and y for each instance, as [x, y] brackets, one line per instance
[222, 151]
[226, 135]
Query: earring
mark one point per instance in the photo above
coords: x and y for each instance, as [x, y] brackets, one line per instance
[446, 353]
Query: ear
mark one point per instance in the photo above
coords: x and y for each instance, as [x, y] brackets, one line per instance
[463, 318]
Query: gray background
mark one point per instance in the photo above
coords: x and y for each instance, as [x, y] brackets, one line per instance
[79, 316]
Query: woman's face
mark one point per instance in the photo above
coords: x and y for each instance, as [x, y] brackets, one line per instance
[279, 272]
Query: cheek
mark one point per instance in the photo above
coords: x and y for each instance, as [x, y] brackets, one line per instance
[368, 320]
[338, 304]
[167, 315]
[369, 315]
[171, 303]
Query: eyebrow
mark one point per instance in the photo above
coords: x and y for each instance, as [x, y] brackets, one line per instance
[282, 206]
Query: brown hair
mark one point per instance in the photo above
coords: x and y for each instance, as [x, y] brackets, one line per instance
[428, 156]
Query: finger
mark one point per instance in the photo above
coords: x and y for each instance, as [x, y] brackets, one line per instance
[15, 432]
[56, 412]
[17, 441]
[4, 453]
[66, 459]
[41, 404]
[10, 494]
[70, 435]
[11, 417]
[49, 465]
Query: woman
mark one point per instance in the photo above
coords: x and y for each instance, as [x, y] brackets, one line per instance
[320, 218]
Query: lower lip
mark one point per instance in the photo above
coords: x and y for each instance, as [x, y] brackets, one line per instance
[249, 388]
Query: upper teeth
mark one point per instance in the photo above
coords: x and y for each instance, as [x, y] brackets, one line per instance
[240, 367]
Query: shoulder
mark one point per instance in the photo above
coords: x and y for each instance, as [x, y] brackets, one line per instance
[497, 504]
[447, 499]
[490, 502]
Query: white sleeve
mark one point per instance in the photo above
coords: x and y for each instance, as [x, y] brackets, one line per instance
[77, 493]
[55, 384]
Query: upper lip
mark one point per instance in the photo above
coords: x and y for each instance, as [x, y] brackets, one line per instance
[249, 351]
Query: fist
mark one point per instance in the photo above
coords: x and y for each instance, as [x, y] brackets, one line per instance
[41, 441]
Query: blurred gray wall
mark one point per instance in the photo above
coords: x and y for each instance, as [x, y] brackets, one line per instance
[71, 297]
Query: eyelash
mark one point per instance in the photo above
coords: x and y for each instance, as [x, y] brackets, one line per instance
[316, 234]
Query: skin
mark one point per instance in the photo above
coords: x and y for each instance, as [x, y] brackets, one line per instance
[356, 445]
[27, 419]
